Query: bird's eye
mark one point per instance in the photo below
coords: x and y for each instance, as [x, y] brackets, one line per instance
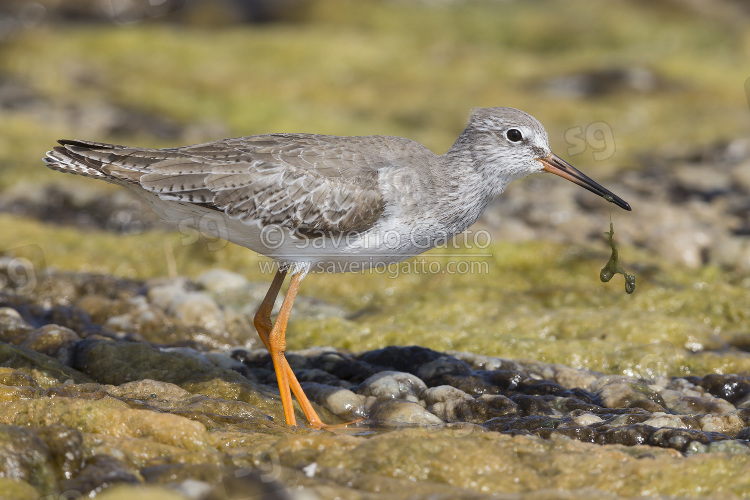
[514, 135]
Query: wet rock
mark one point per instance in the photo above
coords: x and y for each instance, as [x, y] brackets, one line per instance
[680, 439]
[585, 419]
[521, 425]
[115, 363]
[442, 366]
[25, 457]
[395, 385]
[13, 328]
[541, 387]
[571, 378]
[65, 446]
[637, 434]
[221, 281]
[730, 424]
[17, 489]
[342, 365]
[128, 491]
[317, 376]
[107, 416]
[53, 340]
[341, 402]
[660, 419]
[473, 383]
[621, 392]
[140, 400]
[681, 403]
[487, 363]
[250, 483]
[478, 410]
[148, 390]
[504, 380]
[212, 412]
[583, 434]
[46, 372]
[443, 401]
[207, 475]
[531, 405]
[191, 307]
[99, 473]
[14, 378]
[403, 359]
[732, 446]
[569, 404]
[401, 412]
[729, 387]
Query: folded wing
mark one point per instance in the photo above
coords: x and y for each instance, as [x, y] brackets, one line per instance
[298, 181]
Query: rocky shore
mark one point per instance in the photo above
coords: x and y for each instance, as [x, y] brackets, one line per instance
[111, 386]
[129, 364]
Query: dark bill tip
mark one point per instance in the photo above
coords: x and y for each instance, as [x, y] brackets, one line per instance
[556, 165]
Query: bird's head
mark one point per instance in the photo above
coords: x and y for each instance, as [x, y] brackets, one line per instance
[508, 144]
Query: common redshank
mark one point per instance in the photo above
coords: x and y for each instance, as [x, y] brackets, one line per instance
[318, 203]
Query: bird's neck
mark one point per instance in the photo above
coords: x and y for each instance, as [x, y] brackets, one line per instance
[467, 189]
[465, 154]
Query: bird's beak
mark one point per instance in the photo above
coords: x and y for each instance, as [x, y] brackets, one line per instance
[558, 166]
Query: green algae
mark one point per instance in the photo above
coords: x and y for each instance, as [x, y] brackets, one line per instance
[121, 362]
[45, 371]
[26, 457]
[142, 492]
[166, 434]
[528, 300]
[468, 461]
[18, 489]
[613, 266]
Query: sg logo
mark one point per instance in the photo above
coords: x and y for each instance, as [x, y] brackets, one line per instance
[598, 136]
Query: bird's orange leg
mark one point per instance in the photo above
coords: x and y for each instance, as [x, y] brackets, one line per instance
[274, 338]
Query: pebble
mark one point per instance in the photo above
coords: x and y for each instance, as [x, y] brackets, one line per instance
[221, 280]
[394, 385]
[401, 412]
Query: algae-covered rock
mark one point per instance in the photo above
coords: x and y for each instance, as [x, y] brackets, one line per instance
[65, 445]
[118, 363]
[53, 340]
[24, 456]
[45, 371]
[106, 416]
[142, 492]
[18, 489]
[13, 328]
[99, 473]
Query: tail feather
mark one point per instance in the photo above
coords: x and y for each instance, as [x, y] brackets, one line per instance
[109, 162]
[59, 159]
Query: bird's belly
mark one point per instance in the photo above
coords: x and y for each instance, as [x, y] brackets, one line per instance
[384, 244]
[345, 252]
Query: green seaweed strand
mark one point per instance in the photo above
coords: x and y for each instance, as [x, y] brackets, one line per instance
[613, 265]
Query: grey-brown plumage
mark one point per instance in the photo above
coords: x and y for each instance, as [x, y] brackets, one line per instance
[296, 181]
[391, 197]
